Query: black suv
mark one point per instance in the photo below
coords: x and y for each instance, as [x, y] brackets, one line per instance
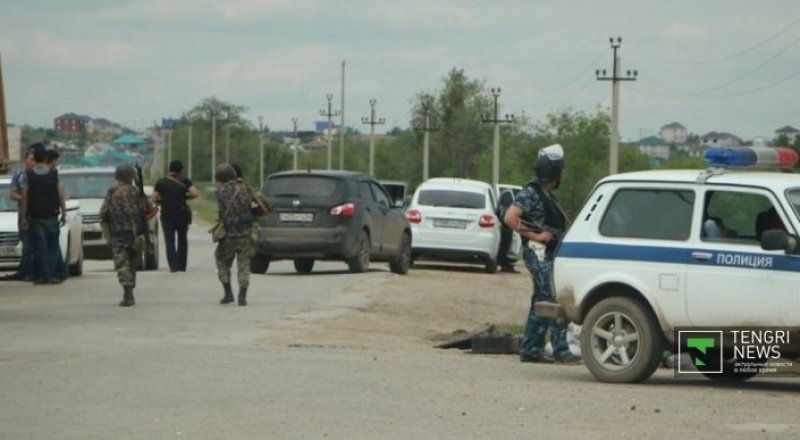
[331, 215]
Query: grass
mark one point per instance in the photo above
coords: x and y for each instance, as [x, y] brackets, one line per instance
[204, 207]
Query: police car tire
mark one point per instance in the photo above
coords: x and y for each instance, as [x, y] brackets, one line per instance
[645, 354]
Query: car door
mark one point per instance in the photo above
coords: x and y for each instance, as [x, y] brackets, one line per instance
[392, 219]
[374, 213]
[730, 279]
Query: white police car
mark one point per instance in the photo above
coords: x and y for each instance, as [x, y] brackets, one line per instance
[655, 250]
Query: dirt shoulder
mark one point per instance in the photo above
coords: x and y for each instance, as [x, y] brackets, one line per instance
[413, 311]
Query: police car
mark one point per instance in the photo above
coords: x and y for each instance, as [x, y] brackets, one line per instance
[655, 250]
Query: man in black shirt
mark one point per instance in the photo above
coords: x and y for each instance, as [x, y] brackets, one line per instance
[40, 208]
[172, 192]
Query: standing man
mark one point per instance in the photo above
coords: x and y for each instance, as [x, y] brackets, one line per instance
[121, 215]
[25, 272]
[541, 223]
[61, 270]
[237, 218]
[41, 206]
[506, 234]
[172, 192]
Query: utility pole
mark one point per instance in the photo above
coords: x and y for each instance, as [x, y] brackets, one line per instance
[372, 123]
[427, 129]
[329, 114]
[213, 147]
[190, 150]
[294, 145]
[613, 149]
[342, 127]
[496, 143]
[228, 143]
[261, 151]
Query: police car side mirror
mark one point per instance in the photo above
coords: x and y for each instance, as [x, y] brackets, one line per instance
[778, 240]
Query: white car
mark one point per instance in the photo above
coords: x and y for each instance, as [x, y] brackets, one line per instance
[70, 239]
[681, 259]
[90, 185]
[454, 220]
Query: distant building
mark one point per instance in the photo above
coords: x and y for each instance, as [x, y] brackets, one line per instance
[789, 131]
[71, 123]
[720, 139]
[655, 148]
[169, 123]
[104, 127]
[674, 133]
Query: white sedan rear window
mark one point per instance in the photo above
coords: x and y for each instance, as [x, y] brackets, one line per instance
[451, 199]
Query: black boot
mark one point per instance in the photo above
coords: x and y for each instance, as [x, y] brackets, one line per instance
[228, 298]
[127, 297]
[242, 295]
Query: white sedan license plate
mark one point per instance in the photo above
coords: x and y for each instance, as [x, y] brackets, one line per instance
[8, 251]
[296, 217]
[449, 223]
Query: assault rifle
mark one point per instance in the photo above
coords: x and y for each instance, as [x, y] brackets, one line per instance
[144, 221]
[528, 226]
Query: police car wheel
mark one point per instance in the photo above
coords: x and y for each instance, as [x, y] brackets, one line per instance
[621, 341]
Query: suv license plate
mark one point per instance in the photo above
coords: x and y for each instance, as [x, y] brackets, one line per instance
[296, 217]
[449, 223]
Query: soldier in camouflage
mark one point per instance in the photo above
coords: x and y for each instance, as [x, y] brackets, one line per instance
[121, 214]
[237, 218]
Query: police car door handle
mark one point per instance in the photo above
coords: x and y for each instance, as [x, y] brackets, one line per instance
[703, 256]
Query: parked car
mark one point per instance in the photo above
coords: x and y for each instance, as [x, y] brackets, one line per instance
[655, 251]
[455, 220]
[90, 186]
[331, 215]
[70, 238]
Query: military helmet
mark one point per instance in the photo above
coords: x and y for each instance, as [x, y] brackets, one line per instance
[124, 173]
[549, 164]
[224, 173]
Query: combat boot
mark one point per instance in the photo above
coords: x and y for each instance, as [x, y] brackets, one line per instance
[228, 298]
[242, 295]
[127, 297]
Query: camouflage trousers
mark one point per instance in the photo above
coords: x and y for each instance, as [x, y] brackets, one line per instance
[536, 328]
[239, 247]
[126, 259]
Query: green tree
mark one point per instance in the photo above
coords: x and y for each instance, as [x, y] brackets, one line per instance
[782, 140]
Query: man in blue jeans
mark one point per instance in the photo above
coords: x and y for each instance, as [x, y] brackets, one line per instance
[25, 272]
[40, 209]
[172, 192]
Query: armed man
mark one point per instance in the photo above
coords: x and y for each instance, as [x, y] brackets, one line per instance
[121, 215]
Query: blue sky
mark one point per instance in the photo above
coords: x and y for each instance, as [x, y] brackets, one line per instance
[711, 65]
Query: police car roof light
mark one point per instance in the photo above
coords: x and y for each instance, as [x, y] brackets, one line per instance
[751, 157]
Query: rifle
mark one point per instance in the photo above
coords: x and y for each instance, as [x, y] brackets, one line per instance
[147, 212]
[528, 226]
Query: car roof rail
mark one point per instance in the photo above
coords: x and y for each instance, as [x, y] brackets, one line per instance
[707, 173]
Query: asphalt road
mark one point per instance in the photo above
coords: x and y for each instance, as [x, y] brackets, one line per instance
[74, 365]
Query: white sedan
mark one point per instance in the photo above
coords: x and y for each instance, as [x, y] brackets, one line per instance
[454, 220]
[70, 239]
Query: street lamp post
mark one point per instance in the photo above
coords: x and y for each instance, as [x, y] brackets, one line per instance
[496, 142]
[330, 114]
[372, 123]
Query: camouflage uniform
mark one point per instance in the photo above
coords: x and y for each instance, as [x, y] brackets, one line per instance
[121, 216]
[234, 212]
[541, 209]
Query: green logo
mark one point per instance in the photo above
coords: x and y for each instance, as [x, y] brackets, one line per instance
[704, 348]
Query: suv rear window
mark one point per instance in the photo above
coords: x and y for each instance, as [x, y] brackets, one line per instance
[302, 186]
[451, 199]
[649, 213]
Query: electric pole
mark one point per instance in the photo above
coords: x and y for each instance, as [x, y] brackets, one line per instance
[228, 143]
[496, 144]
[372, 123]
[427, 129]
[329, 114]
[613, 149]
[342, 127]
[190, 150]
[213, 147]
[261, 151]
[294, 145]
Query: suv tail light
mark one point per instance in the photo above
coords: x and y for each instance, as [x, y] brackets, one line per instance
[414, 216]
[346, 210]
[486, 221]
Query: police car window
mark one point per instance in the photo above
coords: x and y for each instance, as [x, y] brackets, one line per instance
[794, 198]
[736, 216]
[649, 213]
